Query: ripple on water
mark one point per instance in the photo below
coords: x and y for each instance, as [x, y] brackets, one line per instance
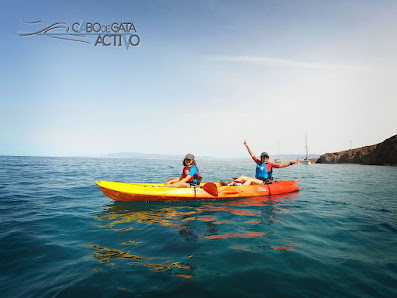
[60, 236]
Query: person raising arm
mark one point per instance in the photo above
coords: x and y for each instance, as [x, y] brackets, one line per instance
[264, 168]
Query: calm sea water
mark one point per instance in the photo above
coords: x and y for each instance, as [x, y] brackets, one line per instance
[60, 236]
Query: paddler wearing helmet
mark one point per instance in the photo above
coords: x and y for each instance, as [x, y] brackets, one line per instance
[264, 169]
[190, 174]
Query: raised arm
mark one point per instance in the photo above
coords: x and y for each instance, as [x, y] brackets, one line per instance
[249, 149]
[290, 163]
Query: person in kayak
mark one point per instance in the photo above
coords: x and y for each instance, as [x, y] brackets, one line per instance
[190, 175]
[264, 169]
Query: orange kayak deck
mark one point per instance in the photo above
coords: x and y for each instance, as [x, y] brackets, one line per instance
[147, 192]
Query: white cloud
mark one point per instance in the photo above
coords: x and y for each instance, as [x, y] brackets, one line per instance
[283, 62]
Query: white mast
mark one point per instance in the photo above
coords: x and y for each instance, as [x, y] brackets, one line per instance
[278, 160]
[306, 161]
[278, 145]
[306, 148]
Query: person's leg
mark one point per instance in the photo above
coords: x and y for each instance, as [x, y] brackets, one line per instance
[247, 181]
[253, 181]
[180, 184]
[171, 181]
[241, 178]
[257, 182]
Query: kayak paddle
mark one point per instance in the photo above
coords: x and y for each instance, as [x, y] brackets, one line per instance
[211, 188]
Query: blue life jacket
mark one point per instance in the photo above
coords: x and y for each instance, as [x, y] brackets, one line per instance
[262, 173]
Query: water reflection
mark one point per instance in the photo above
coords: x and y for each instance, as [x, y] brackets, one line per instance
[206, 223]
[182, 215]
[104, 255]
[173, 213]
[234, 235]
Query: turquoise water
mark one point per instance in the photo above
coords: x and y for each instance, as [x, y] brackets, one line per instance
[60, 236]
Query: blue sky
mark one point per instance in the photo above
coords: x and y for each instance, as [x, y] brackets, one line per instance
[206, 76]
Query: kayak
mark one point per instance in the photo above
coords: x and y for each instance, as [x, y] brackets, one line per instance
[147, 192]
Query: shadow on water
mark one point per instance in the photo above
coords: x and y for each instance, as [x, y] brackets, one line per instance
[161, 226]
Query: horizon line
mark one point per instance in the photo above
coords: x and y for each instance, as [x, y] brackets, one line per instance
[171, 156]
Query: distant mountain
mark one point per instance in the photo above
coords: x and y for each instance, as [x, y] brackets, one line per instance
[136, 155]
[125, 155]
[384, 153]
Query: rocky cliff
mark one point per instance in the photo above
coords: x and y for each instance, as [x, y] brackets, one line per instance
[384, 153]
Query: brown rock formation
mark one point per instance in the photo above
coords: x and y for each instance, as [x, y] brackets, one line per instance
[384, 153]
[314, 159]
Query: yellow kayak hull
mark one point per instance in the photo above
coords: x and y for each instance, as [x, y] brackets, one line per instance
[146, 192]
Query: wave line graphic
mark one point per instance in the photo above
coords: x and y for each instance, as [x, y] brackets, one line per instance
[56, 26]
